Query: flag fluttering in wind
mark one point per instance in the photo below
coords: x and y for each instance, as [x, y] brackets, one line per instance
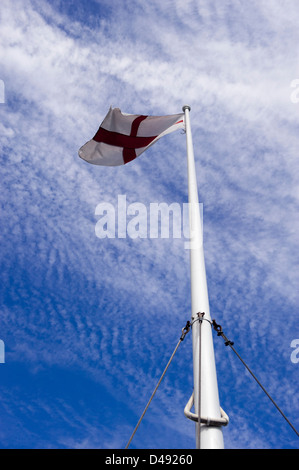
[123, 137]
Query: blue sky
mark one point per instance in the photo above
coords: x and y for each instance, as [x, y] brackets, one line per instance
[89, 324]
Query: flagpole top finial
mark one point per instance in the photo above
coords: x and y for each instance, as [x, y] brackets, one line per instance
[186, 106]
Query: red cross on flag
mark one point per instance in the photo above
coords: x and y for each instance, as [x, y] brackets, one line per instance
[123, 137]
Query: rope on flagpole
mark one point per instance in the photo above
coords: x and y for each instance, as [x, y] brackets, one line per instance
[185, 330]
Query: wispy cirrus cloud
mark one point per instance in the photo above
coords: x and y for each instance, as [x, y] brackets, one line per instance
[113, 307]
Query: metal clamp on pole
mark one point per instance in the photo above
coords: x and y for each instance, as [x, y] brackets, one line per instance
[185, 330]
[223, 421]
[218, 328]
[199, 317]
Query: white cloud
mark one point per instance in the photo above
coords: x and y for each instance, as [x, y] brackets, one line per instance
[233, 63]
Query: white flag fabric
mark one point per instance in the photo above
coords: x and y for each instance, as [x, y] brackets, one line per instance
[123, 137]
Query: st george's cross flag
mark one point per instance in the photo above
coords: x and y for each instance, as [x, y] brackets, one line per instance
[123, 137]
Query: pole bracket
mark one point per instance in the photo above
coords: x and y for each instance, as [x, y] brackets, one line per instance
[218, 328]
[213, 422]
[198, 317]
[185, 330]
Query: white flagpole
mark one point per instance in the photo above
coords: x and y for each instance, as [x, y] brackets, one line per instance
[206, 400]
